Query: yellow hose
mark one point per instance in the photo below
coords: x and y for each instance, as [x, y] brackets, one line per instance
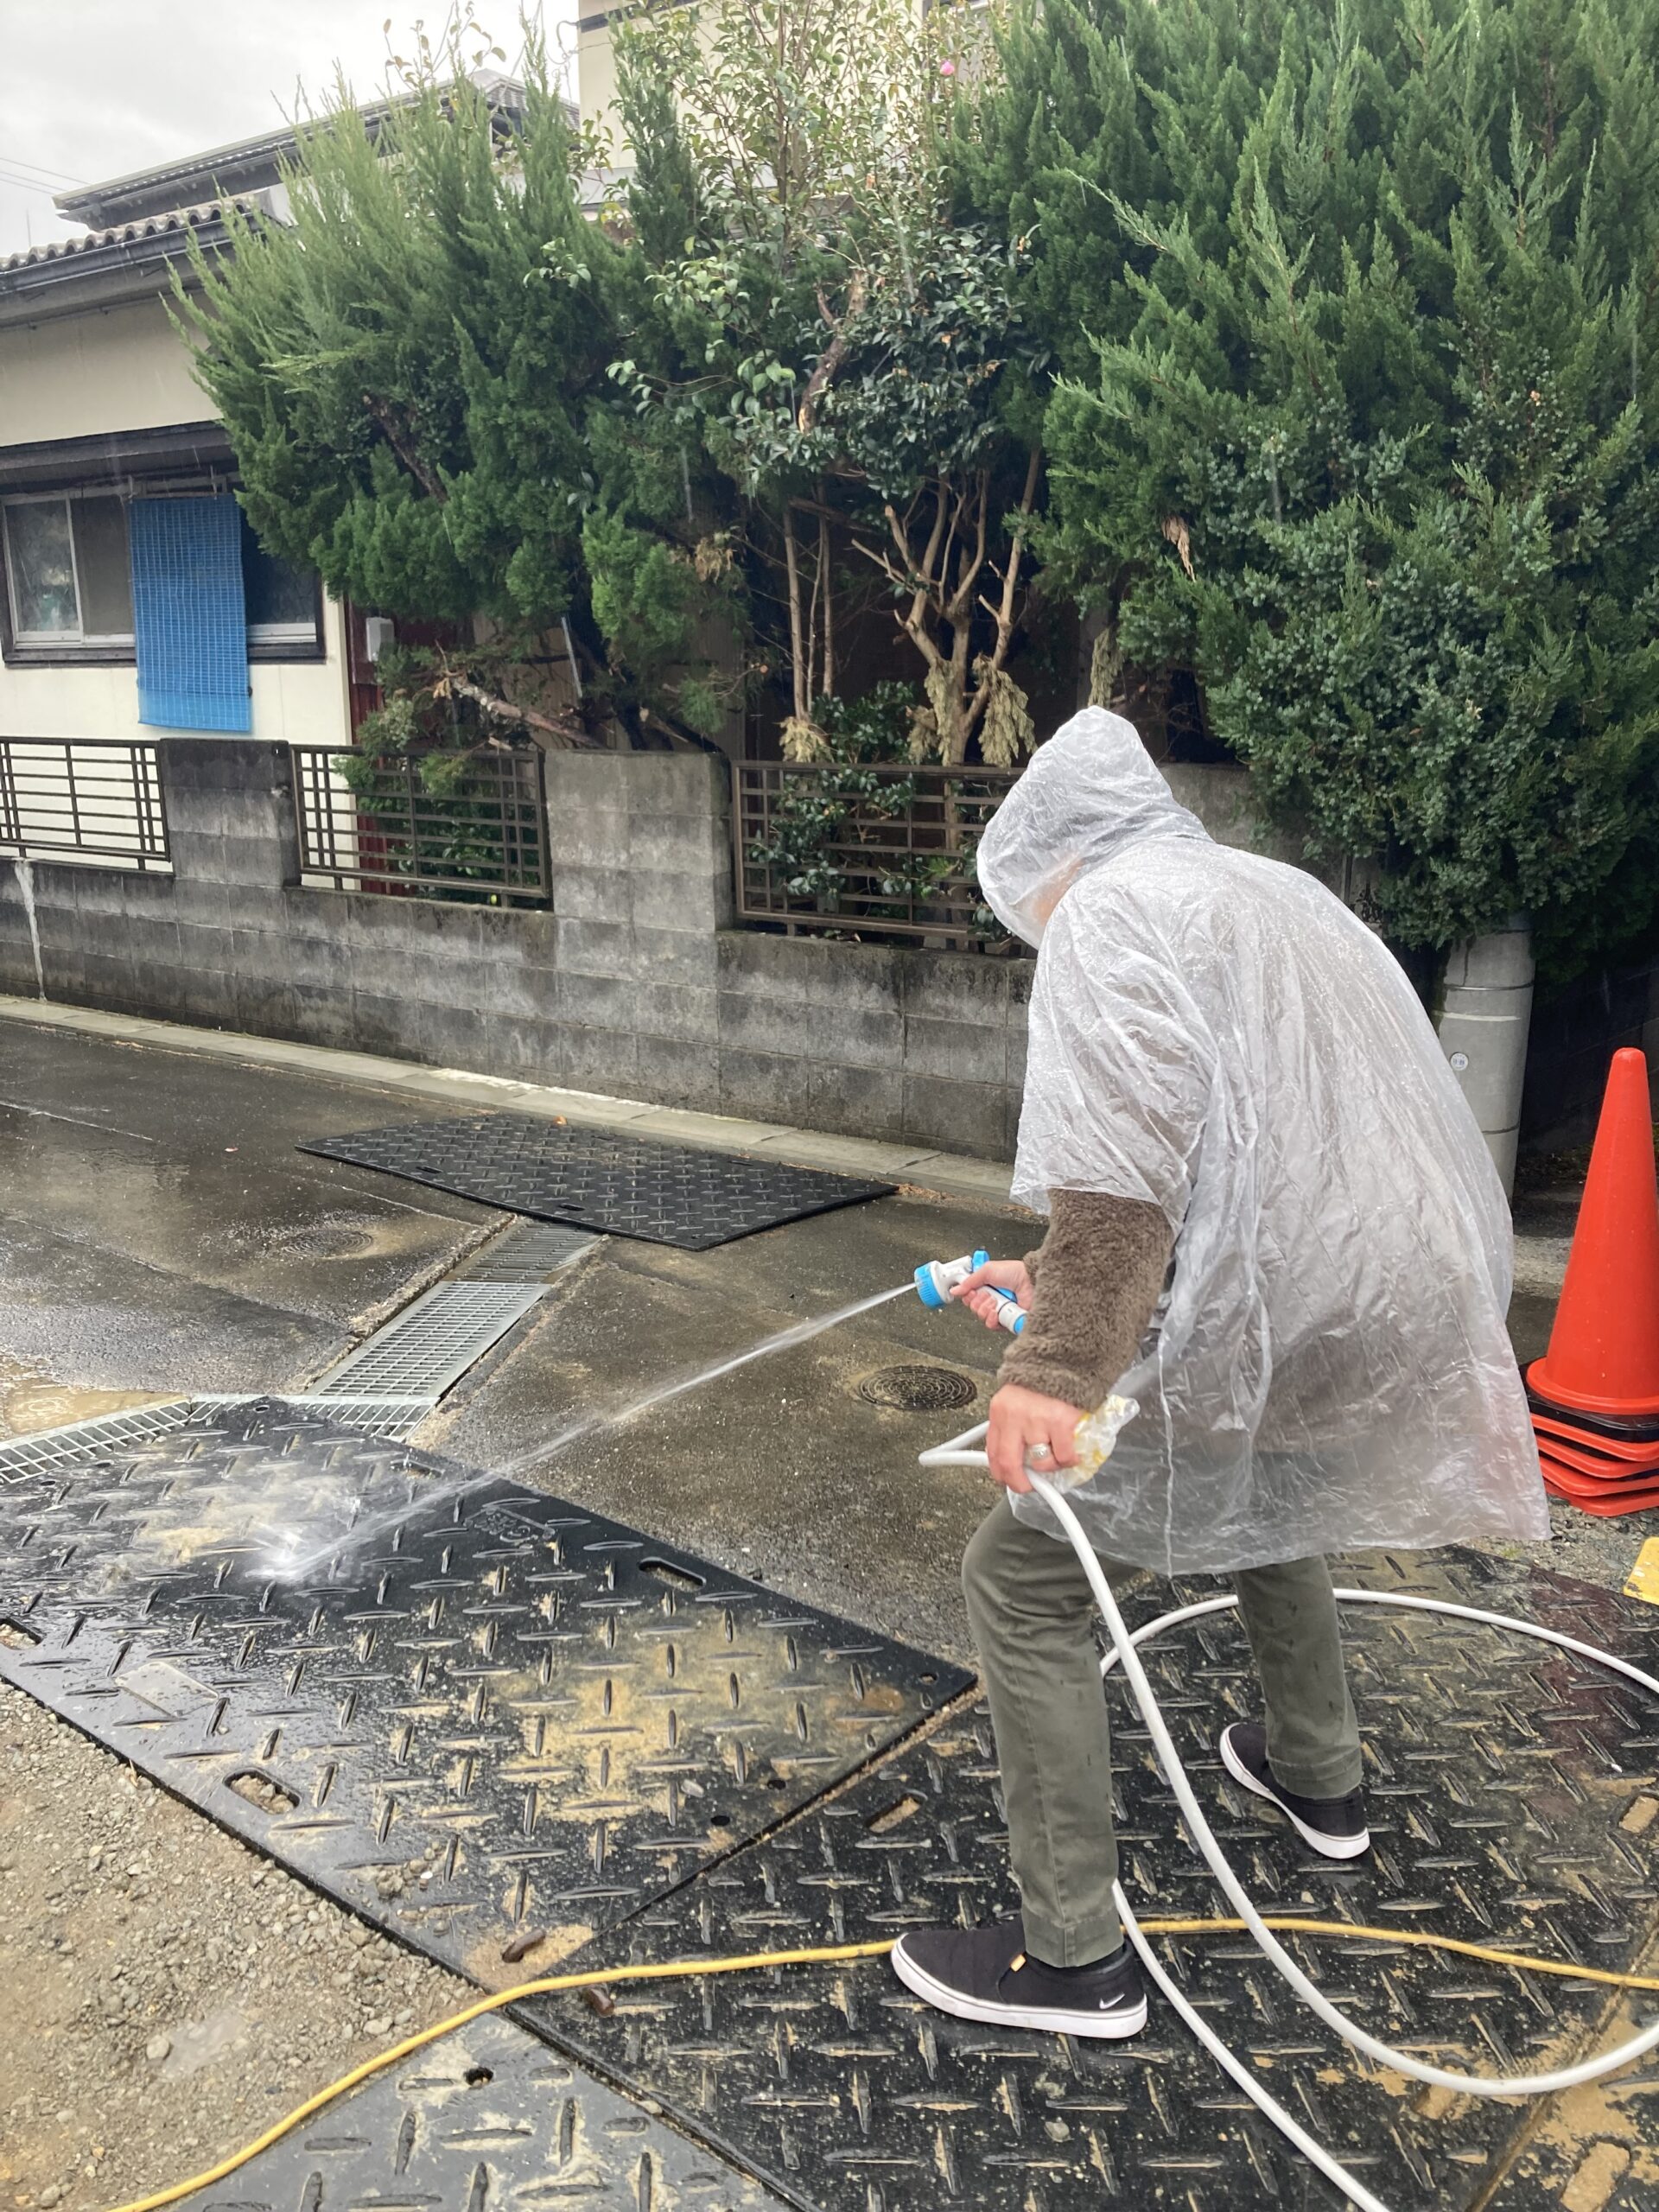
[680, 1969]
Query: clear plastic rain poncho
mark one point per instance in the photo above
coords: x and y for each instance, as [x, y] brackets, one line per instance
[1215, 1033]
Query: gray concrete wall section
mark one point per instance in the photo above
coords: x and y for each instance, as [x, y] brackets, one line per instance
[634, 984]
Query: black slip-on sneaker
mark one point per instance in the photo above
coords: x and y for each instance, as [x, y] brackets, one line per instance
[1334, 1827]
[983, 1973]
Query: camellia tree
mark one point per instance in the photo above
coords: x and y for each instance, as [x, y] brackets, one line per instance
[413, 371]
[1359, 318]
[851, 350]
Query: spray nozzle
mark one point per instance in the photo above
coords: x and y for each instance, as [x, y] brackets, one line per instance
[937, 1279]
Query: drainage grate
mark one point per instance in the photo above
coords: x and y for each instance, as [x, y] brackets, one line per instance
[82, 1440]
[531, 1251]
[488, 2115]
[919, 1389]
[377, 1416]
[428, 1347]
[1506, 1780]
[668, 1194]
[503, 1721]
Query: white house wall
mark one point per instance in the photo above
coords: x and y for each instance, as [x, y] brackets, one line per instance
[116, 368]
[295, 703]
[119, 368]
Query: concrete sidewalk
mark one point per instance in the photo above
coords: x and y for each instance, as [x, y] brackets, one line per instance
[952, 1174]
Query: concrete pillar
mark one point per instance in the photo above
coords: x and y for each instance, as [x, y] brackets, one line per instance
[1484, 1027]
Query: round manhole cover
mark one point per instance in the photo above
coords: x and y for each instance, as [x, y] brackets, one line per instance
[919, 1389]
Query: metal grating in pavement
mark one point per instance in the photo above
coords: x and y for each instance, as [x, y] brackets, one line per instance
[380, 1416]
[530, 1251]
[488, 2116]
[1508, 1784]
[81, 1440]
[601, 1178]
[491, 1724]
[425, 1350]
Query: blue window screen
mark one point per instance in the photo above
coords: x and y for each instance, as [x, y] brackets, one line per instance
[188, 617]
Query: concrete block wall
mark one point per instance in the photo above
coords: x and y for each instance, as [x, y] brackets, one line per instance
[635, 983]
[642, 885]
[874, 1041]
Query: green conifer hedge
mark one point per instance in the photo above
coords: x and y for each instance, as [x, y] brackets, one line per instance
[1357, 310]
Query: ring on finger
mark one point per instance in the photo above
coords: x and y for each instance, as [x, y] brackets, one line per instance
[1040, 1452]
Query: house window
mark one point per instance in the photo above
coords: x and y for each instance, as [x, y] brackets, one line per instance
[66, 565]
[68, 584]
[281, 598]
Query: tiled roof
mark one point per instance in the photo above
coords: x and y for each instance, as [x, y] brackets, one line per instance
[153, 226]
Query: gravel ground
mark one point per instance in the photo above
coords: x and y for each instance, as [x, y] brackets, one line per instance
[167, 1993]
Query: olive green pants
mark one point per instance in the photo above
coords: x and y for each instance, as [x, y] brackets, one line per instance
[1030, 1607]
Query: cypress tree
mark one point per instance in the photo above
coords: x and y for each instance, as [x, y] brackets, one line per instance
[1358, 316]
[414, 372]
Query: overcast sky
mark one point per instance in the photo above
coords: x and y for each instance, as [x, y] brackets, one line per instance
[91, 89]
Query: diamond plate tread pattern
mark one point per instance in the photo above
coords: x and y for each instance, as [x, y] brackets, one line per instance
[425, 1350]
[1499, 1774]
[1602, 2160]
[600, 1179]
[499, 1725]
[485, 2117]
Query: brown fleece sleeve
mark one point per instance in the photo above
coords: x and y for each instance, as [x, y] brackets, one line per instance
[1098, 1274]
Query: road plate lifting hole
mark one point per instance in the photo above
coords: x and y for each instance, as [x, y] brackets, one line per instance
[919, 1389]
[259, 1790]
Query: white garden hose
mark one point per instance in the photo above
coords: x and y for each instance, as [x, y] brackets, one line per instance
[959, 1453]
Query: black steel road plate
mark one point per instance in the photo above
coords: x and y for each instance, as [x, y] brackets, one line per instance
[495, 1724]
[488, 2116]
[600, 1179]
[1508, 1788]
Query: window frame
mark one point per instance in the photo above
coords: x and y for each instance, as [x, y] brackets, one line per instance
[267, 642]
[291, 641]
[55, 647]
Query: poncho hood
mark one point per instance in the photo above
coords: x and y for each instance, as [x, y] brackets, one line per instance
[1088, 794]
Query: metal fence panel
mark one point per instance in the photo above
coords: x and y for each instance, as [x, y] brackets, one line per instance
[97, 798]
[871, 850]
[484, 838]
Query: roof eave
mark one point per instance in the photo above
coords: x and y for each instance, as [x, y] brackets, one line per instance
[124, 269]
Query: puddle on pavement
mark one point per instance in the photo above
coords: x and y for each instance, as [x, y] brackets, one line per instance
[31, 1403]
[343, 1235]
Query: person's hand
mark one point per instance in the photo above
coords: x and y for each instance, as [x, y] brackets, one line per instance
[976, 1290]
[1025, 1425]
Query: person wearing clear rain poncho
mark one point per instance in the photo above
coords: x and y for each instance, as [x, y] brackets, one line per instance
[1274, 1225]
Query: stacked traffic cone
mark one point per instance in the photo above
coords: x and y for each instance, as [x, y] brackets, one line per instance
[1595, 1393]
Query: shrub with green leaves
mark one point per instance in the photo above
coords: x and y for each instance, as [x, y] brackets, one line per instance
[1358, 312]
[414, 373]
[836, 832]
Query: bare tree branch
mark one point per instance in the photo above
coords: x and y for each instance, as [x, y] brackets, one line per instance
[398, 438]
[568, 731]
[834, 355]
[1002, 614]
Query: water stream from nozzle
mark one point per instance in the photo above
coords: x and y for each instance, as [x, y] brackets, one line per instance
[799, 1333]
[340, 1520]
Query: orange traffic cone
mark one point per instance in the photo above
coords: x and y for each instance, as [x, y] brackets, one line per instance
[1605, 1500]
[1603, 1361]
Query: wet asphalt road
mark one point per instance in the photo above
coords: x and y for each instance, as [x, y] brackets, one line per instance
[159, 1232]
